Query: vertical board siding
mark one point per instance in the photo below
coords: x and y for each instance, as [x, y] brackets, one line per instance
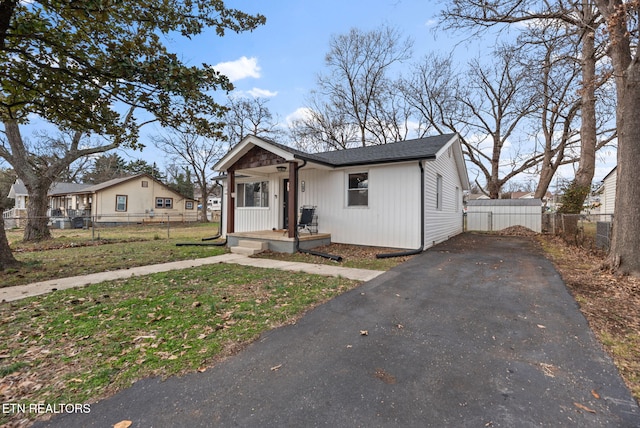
[392, 218]
[442, 224]
[259, 218]
[498, 214]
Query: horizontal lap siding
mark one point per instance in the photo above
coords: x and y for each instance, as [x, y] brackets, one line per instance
[442, 224]
[392, 218]
[608, 198]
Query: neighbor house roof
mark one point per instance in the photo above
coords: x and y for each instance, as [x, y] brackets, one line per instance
[18, 188]
[66, 188]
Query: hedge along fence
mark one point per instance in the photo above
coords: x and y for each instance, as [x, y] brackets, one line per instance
[489, 215]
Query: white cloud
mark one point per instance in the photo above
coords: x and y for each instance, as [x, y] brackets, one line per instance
[262, 93]
[300, 113]
[430, 23]
[239, 69]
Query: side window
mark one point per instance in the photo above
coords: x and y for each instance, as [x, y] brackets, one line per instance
[358, 190]
[164, 203]
[121, 203]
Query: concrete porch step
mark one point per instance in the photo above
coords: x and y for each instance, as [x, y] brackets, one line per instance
[249, 247]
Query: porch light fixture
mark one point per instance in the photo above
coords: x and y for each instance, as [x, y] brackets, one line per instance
[281, 168]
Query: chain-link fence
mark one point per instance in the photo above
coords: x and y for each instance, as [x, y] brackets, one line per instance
[113, 226]
[592, 230]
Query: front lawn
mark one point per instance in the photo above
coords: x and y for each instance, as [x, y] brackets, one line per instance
[79, 345]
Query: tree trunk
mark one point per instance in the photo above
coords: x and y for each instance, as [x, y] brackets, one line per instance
[546, 176]
[625, 242]
[625, 245]
[588, 139]
[37, 228]
[6, 256]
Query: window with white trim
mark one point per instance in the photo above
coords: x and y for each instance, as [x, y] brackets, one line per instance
[253, 194]
[358, 190]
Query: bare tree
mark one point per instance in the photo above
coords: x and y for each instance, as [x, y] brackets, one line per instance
[619, 41]
[485, 106]
[581, 21]
[249, 116]
[196, 153]
[431, 91]
[322, 127]
[555, 74]
[356, 91]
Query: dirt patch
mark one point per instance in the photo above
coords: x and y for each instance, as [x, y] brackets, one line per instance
[517, 231]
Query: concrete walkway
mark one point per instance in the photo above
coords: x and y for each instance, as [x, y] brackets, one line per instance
[9, 294]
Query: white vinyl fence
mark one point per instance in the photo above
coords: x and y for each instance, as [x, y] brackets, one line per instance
[490, 215]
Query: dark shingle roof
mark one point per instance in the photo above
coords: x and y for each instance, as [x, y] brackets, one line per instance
[420, 148]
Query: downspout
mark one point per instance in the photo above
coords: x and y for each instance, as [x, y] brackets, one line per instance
[296, 237]
[417, 250]
[210, 244]
[219, 234]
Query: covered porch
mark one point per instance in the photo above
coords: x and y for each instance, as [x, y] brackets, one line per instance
[278, 240]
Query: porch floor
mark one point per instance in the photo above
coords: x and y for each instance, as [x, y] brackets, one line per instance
[279, 241]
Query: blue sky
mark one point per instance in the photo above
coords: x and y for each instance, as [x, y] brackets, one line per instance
[280, 60]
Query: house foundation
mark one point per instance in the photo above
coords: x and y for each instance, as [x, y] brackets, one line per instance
[278, 240]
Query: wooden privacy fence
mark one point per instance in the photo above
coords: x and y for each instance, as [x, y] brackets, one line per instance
[488, 215]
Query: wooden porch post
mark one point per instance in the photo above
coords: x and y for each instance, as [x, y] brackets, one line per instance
[293, 201]
[231, 206]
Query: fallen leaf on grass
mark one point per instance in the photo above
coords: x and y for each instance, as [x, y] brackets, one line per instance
[123, 424]
[583, 407]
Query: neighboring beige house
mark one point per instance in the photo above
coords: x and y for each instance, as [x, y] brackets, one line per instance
[136, 199]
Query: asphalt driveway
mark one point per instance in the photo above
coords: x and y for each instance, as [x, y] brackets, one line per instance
[476, 332]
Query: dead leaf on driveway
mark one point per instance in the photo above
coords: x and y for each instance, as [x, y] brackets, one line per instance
[123, 424]
[583, 407]
[364, 333]
[275, 368]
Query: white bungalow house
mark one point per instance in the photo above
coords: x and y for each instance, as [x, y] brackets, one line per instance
[405, 195]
